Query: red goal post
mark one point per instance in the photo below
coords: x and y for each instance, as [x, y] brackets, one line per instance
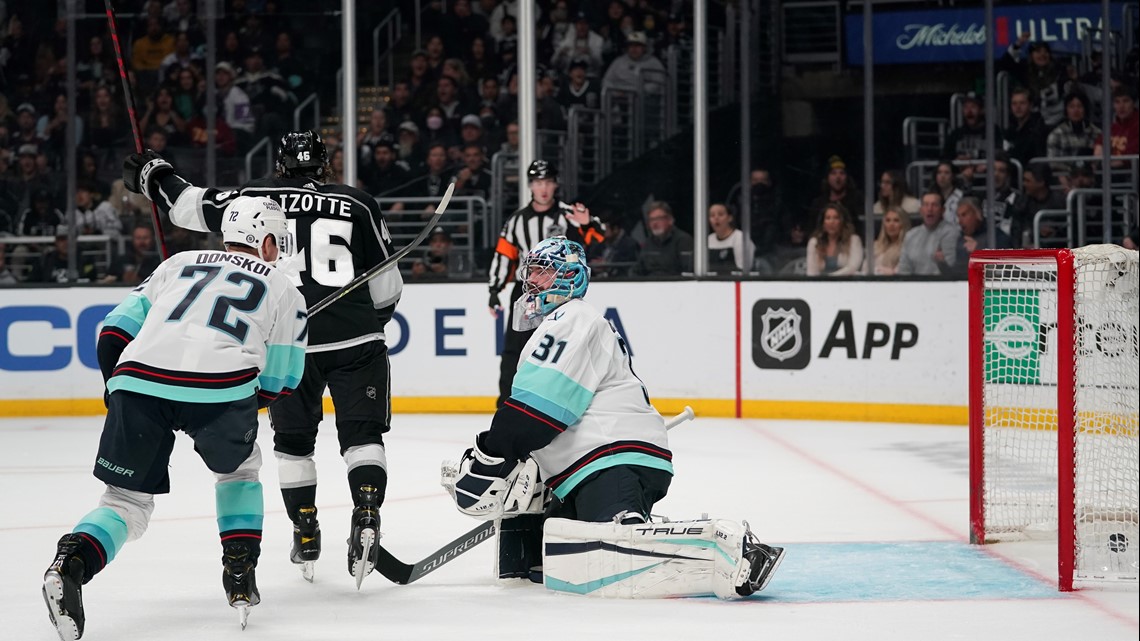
[1054, 389]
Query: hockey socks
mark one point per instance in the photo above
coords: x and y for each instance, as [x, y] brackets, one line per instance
[241, 511]
[103, 532]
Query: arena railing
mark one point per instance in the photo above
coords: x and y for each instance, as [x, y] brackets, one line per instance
[920, 174]
[465, 220]
[1124, 171]
[924, 137]
[394, 28]
[314, 100]
[20, 260]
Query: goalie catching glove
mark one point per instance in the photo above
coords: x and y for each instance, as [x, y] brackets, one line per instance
[482, 482]
[140, 171]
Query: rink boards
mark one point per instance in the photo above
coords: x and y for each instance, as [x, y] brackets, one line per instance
[876, 351]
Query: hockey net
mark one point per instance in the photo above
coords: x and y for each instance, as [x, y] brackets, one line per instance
[1054, 395]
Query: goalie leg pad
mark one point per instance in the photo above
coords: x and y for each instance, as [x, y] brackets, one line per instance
[520, 547]
[650, 560]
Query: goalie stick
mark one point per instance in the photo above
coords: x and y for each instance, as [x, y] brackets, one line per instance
[390, 262]
[402, 573]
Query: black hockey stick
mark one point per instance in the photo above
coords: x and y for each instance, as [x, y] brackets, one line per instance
[402, 573]
[390, 262]
[128, 97]
[397, 571]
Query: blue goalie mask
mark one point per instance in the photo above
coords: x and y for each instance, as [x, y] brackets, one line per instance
[556, 272]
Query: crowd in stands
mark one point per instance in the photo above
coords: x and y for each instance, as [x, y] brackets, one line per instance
[453, 106]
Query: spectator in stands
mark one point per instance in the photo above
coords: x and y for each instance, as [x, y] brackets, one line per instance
[617, 255]
[889, 243]
[461, 27]
[1037, 182]
[894, 192]
[25, 132]
[181, 58]
[929, 249]
[1076, 135]
[504, 9]
[385, 175]
[972, 236]
[41, 218]
[470, 133]
[236, 110]
[579, 90]
[1006, 199]
[676, 34]
[455, 69]
[834, 248]
[623, 72]
[433, 182]
[270, 97]
[1024, 139]
[968, 142]
[1080, 177]
[440, 129]
[447, 100]
[667, 251]
[138, 262]
[769, 226]
[52, 129]
[367, 139]
[611, 30]
[421, 84]
[1041, 74]
[233, 51]
[1125, 132]
[946, 184]
[160, 114]
[580, 44]
[1132, 240]
[96, 67]
[27, 179]
[481, 64]
[434, 263]
[148, 52]
[837, 187]
[473, 178]
[52, 265]
[7, 275]
[187, 93]
[224, 136]
[409, 150]
[400, 108]
[287, 65]
[92, 217]
[179, 18]
[547, 112]
[434, 51]
[728, 249]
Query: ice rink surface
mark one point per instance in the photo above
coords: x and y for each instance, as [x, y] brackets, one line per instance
[874, 518]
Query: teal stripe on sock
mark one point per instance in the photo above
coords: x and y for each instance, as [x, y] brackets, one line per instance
[108, 528]
[240, 505]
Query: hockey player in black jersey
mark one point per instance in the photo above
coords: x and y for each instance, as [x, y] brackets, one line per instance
[340, 233]
[544, 217]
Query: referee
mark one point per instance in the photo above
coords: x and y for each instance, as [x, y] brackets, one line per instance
[542, 218]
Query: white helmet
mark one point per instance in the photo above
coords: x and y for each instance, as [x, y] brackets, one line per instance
[248, 220]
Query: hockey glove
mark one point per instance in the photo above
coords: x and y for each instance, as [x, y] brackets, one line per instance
[482, 483]
[141, 170]
[495, 304]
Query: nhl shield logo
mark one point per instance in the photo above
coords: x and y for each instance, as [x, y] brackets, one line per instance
[781, 334]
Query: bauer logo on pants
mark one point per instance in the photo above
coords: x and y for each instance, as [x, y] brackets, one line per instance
[781, 333]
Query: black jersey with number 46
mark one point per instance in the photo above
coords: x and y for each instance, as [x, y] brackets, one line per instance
[340, 233]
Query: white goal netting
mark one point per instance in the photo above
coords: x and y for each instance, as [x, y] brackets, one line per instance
[1022, 408]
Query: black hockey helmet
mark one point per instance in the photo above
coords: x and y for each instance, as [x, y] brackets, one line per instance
[541, 169]
[302, 153]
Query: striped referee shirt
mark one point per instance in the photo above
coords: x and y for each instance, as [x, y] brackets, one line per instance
[526, 228]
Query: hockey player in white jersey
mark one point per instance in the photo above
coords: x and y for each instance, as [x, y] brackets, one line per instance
[198, 347]
[581, 413]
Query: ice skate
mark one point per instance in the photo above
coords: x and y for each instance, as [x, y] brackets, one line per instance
[239, 580]
[63, 589]
[306, 541]
[765, 559]
[363, 544]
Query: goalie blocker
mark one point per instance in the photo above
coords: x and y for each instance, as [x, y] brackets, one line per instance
[656, 560]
